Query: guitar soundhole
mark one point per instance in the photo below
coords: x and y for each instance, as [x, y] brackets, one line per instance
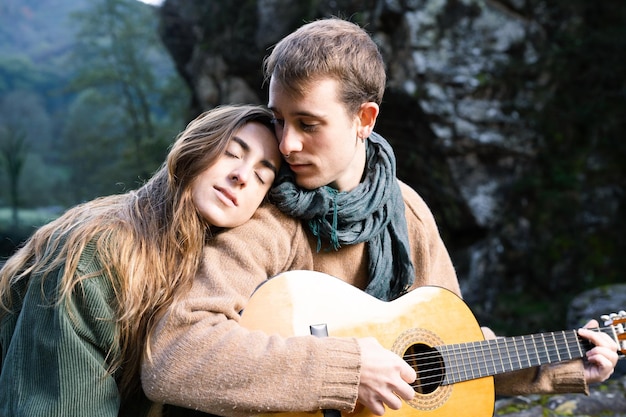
[428, 364]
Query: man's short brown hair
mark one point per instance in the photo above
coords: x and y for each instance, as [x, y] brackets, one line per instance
[332, 48]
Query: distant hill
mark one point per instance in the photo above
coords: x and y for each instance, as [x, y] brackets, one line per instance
[49, 80]
[40, 29]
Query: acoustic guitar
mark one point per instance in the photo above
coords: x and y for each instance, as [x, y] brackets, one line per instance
[430, 328]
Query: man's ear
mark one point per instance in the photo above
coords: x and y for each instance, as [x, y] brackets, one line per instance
[367, 118]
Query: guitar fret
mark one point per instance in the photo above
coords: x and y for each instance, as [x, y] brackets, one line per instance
[465, 364]
[569, 352]
[486, 363]
[558, 355]
[473, 355]
[538, 361]
[516, 354]
[563, 347]
[499, 357]
[484, 367]
[454, 369]
[495, 352]
[576, 340]
[580, 347]
[450, 364]
[546, 357]
[504, 353]
[460, 374]
[527, 362]
[513, 354]
[463, 354]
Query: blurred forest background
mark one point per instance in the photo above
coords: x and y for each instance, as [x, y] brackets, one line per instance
[89, 102]
[92, 93]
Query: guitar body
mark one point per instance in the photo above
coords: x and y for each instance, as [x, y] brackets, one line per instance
[416, 322]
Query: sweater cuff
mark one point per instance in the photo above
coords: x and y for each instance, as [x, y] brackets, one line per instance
[569, 377]
[564, 377]
[341, 384]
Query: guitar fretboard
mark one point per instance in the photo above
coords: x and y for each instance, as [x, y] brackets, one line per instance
[467, 361]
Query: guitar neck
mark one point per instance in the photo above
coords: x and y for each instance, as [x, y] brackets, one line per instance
[467, 361]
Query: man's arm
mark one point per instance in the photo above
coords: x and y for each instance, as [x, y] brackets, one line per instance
[566, 377]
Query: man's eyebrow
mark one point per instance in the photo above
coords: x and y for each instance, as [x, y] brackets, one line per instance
[299, 113]
[265, 162]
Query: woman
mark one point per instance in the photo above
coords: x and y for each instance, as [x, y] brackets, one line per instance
[79, 300]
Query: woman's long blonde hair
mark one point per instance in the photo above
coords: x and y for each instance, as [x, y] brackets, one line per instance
[148, 241]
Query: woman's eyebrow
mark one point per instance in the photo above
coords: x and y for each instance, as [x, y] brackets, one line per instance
[269, 165]
[242, 143]
[246, 148]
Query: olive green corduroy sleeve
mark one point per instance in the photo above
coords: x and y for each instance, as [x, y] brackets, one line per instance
[55, 362]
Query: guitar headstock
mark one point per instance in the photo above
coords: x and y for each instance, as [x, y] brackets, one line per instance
[616, 321]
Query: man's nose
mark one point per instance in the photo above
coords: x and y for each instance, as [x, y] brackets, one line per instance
[290, 141]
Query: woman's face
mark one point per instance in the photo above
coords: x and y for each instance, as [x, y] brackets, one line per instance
[228, 192]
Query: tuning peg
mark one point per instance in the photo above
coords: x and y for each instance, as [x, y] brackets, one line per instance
[614, 318]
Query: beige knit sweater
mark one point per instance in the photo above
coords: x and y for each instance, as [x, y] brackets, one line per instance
[202, 358]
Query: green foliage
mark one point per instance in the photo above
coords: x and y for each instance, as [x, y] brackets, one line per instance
[19, 72]
[29, 218]
[117, 42]
[96, 96]
[13, 151]
[12, 235]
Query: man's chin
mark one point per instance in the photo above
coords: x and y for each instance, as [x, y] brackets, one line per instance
[308, 184]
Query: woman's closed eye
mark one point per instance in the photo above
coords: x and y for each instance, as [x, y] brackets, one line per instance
[265, 175]
[259, 177]
[231, 154]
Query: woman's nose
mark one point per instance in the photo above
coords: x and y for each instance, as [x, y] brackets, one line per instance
[241, 175]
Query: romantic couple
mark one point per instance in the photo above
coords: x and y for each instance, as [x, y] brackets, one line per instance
[133, 301]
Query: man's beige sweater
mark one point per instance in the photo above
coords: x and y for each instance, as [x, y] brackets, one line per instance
[202, 358]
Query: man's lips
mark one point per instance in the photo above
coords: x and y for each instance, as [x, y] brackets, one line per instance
[227, 195]
[297, 166]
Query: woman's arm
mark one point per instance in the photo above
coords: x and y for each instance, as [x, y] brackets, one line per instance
[200, 357]
[56, 362]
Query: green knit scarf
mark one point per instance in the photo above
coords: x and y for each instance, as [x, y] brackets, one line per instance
[373, 212]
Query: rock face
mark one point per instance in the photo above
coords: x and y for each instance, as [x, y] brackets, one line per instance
[452, 114]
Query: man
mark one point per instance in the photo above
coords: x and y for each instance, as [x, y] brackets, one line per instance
[355, 221]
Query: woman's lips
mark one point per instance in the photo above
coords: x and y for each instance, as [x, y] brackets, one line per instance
[227, 195]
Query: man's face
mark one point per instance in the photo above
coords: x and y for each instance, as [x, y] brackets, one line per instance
[228, 192]
[318, 136]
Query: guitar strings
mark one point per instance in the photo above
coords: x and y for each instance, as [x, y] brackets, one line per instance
[502, 341]
[432, 370]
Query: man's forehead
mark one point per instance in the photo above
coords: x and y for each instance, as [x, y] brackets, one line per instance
[313, 100]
